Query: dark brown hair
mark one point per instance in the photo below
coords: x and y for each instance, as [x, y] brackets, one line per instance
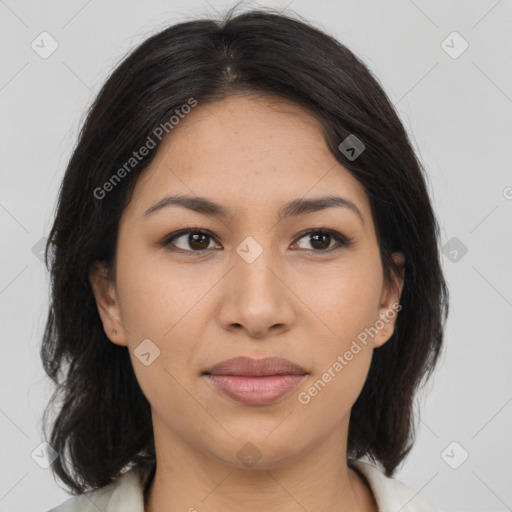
[103, 422]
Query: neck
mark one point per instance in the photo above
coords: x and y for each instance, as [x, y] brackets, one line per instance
[187, 479]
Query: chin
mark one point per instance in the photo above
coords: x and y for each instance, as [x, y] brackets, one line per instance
[255, 449]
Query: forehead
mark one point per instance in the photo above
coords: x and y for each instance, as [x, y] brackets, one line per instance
[252, 154]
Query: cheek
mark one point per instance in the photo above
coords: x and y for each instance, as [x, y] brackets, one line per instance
[344, 298]
[343, 356]
[158, 304]
[331, 393]
[155, 296]
[345, 309]
[166, 304]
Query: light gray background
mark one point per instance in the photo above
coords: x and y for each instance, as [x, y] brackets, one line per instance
[459, 114]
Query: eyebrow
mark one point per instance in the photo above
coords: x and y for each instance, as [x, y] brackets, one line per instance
[293, 208]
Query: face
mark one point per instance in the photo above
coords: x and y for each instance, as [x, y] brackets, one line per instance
[260, 281]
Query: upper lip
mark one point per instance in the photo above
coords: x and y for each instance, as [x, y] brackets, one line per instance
[248, 367]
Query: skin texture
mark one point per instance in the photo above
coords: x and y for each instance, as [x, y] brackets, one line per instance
[252, 155]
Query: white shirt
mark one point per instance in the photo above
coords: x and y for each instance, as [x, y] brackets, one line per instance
[126, 494]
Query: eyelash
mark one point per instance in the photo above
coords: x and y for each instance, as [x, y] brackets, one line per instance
[343, 241]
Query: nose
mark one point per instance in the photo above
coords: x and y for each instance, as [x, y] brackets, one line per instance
[257, 298]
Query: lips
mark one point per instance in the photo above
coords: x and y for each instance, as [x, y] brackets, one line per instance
[247, 367]
[255, 381]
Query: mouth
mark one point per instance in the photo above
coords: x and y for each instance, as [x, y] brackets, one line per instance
[255, 381]
[248, 367]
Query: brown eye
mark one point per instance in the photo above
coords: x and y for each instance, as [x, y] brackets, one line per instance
[321, 239]
[190, 240]
[198, 241]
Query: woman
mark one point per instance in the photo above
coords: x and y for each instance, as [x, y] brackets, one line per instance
[246, 287]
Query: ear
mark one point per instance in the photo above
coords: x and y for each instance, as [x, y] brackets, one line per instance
[390, 303]
[106, 301]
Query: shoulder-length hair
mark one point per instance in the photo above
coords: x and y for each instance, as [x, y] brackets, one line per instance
[103, 423]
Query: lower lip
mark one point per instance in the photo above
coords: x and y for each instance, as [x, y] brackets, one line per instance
[256, 390]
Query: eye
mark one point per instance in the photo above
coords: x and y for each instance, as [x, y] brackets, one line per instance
[196, 239]
[320, 240]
